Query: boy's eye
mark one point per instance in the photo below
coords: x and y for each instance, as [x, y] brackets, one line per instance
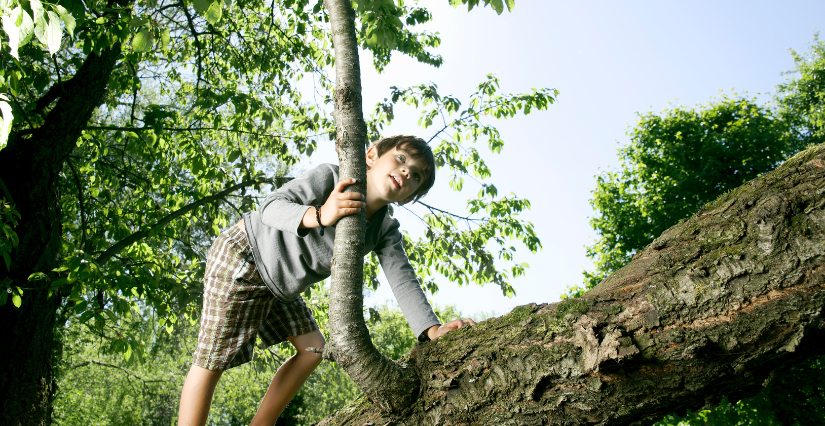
[417, 177]
[402, 158]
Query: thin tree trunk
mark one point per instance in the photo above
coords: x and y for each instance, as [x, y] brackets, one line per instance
[710, 309]
[29, 168]
[389, 385]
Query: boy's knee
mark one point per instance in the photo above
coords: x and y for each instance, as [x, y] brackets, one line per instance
[309, 340]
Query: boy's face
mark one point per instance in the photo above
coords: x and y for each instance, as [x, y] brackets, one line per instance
[392, 177]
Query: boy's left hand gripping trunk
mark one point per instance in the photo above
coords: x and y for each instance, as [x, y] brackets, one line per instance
[391, 386]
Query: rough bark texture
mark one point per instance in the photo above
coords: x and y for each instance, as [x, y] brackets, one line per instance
[391, 386]
[29, 168]
[711, 308]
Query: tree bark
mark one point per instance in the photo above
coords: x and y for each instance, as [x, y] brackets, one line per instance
[710, 309]
[391, 386]
[29, 168]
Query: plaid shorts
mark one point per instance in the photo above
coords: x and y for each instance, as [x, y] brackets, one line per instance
[238, 306]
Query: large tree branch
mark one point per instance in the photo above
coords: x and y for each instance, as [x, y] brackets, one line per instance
[710, 309]
[143, 233]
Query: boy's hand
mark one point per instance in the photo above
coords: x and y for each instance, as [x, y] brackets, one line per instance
[340, 204]
[437, 331]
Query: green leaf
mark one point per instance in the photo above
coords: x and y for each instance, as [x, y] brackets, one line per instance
[213, 14]
[59, 282]
[201, 6]
[37, 9]
[67, 18]
[511, 4]
[6, 119]
[13, 32]
[37, 276]
[86, 316]
[138, 22]
[16, 300]
[54, 34]
[142, 41]
[164, 39]
[26, 26]
[4, 296]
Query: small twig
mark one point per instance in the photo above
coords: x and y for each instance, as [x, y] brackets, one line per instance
[467, 218]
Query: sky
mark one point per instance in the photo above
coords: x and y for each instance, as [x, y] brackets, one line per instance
[609, 60]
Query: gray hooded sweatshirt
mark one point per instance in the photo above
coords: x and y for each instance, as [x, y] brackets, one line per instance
[290, 258]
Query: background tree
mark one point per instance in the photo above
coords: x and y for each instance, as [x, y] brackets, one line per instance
[674, 164]
[127, 139]
[801, 99]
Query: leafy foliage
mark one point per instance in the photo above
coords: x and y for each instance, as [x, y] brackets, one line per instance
[203, 116]
[464, 248]
[801, 99]
[99, 386]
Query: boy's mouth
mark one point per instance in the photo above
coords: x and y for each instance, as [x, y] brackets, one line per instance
[396, 181]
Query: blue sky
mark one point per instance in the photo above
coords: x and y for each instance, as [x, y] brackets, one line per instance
[609, 60]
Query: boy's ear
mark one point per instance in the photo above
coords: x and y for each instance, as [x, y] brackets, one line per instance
[405, 201]
[372, 154]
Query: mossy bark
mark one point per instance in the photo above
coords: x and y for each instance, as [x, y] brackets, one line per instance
[710, 309]
[391, 386]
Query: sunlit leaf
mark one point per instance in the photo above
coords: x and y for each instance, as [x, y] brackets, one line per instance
[54, 34]
[67, 18]
[201, 6]
[213, 14]
[142, 41]
[13, 32]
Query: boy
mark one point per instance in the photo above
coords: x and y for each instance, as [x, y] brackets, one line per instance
[257, 270]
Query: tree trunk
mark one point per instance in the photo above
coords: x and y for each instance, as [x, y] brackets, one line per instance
[29, 168]
[389, 385]
[710, 309]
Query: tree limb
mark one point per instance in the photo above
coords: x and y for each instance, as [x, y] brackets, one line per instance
[139, 235]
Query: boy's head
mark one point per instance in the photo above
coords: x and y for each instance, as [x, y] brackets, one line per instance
[418, 149]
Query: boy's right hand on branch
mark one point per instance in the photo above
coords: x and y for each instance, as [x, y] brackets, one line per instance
[340, 204]
[437, 331]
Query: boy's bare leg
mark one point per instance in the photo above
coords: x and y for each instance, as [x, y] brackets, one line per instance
[289, 378]
[196, 397]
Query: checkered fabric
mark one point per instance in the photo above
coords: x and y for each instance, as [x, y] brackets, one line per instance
[237, 307]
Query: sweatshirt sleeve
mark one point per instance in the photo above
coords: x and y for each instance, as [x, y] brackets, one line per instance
[403, 281]
[284, 209]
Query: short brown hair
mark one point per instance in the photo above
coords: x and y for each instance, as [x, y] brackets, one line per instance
[420, 150]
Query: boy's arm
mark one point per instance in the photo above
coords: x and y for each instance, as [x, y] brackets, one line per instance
[338, 205]
[292, 207]
[406, 288]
